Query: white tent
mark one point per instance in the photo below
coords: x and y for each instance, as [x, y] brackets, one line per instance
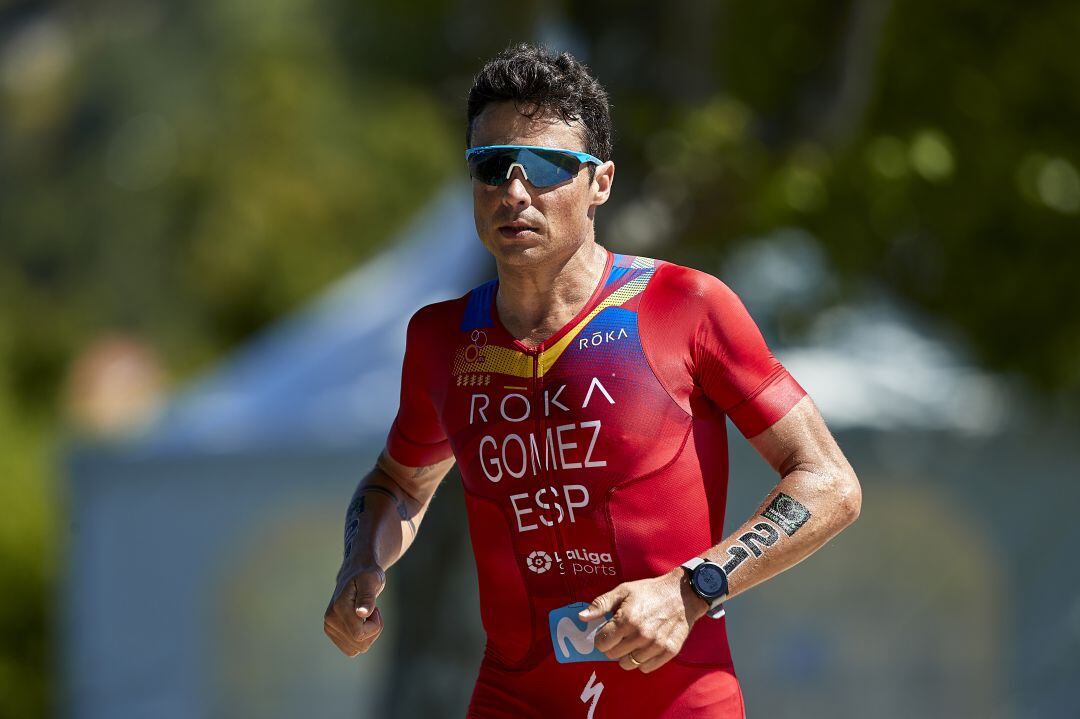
[202, 554]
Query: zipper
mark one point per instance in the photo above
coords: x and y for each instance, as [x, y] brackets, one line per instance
[560, 512]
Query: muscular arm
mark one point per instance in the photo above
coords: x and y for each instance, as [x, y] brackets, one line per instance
[818, 495]
[387, 507]
[704, 338]
[381, 523]
[385, 511]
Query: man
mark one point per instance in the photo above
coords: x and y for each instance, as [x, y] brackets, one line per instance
[584, 395]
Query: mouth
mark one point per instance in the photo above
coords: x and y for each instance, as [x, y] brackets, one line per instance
[517, 230]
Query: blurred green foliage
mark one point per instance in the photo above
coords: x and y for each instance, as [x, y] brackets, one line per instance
[27, 563]
[930, 147]
[184, 172]
[188, 172]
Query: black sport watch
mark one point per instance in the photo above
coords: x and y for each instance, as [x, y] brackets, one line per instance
[709, 581]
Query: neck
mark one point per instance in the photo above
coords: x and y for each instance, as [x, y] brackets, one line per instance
[535, 302]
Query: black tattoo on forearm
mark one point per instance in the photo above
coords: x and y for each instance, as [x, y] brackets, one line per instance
[753, 542]
[738, 556]
[402, 511]
[356, 508]
[352, 524]
[788, 514]
[764, 535]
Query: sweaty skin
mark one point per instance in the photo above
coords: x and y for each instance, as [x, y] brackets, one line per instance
[585, 395]
[812, 467]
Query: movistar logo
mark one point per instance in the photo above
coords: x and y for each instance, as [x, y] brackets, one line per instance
[573, 638]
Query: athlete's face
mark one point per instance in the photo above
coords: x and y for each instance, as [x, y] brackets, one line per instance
[524, 225]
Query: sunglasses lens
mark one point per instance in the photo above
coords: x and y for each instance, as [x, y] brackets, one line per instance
[547, 167]
[490, 166]
[543, 168]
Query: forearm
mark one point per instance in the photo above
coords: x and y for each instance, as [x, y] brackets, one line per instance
[381, 521]
[804, 511]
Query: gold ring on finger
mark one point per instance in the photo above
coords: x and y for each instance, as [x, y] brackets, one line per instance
[635, 661]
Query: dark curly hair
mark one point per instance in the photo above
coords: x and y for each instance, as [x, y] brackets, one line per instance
[537, 80]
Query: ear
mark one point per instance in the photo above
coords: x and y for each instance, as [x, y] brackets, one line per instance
[603, 177]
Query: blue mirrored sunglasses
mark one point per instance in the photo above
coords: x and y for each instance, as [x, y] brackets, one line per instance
[541, 166]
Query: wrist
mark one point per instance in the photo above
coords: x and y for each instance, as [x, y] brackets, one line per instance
[358, 565]
[694, 606]
[709, 582]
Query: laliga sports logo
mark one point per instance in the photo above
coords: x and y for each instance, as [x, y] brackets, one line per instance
[576, 561]
[539, 561]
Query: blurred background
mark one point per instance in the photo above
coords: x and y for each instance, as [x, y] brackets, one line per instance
[216, 218]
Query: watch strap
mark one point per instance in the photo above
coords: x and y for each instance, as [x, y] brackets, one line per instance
[717, 611]
[692, 564]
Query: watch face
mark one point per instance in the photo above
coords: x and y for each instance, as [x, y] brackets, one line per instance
[709, 580]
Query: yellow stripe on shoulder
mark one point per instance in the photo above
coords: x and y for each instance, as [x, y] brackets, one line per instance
[631, 289]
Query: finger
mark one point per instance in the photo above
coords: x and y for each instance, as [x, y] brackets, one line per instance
[654, 663]
[374, 628]
[648, 651]
[628, 664]
[631, 659]
[613, 632]
[631, 643]
[331, 621]
[342, 642]
[350, 623]
[368, 587]
[606, 602]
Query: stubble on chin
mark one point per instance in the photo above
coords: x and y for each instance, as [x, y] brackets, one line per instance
[520, 255]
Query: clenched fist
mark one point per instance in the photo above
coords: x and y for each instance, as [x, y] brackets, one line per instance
[352, 621]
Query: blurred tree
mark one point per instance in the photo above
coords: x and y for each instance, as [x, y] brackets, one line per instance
[185, 172]
[929, 147]
[28, 567]
[208, 167]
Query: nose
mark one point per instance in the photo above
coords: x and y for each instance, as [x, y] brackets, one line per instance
[516, 195]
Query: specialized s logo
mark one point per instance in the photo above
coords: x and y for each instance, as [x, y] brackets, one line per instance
[591, 694]
[573, 638]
